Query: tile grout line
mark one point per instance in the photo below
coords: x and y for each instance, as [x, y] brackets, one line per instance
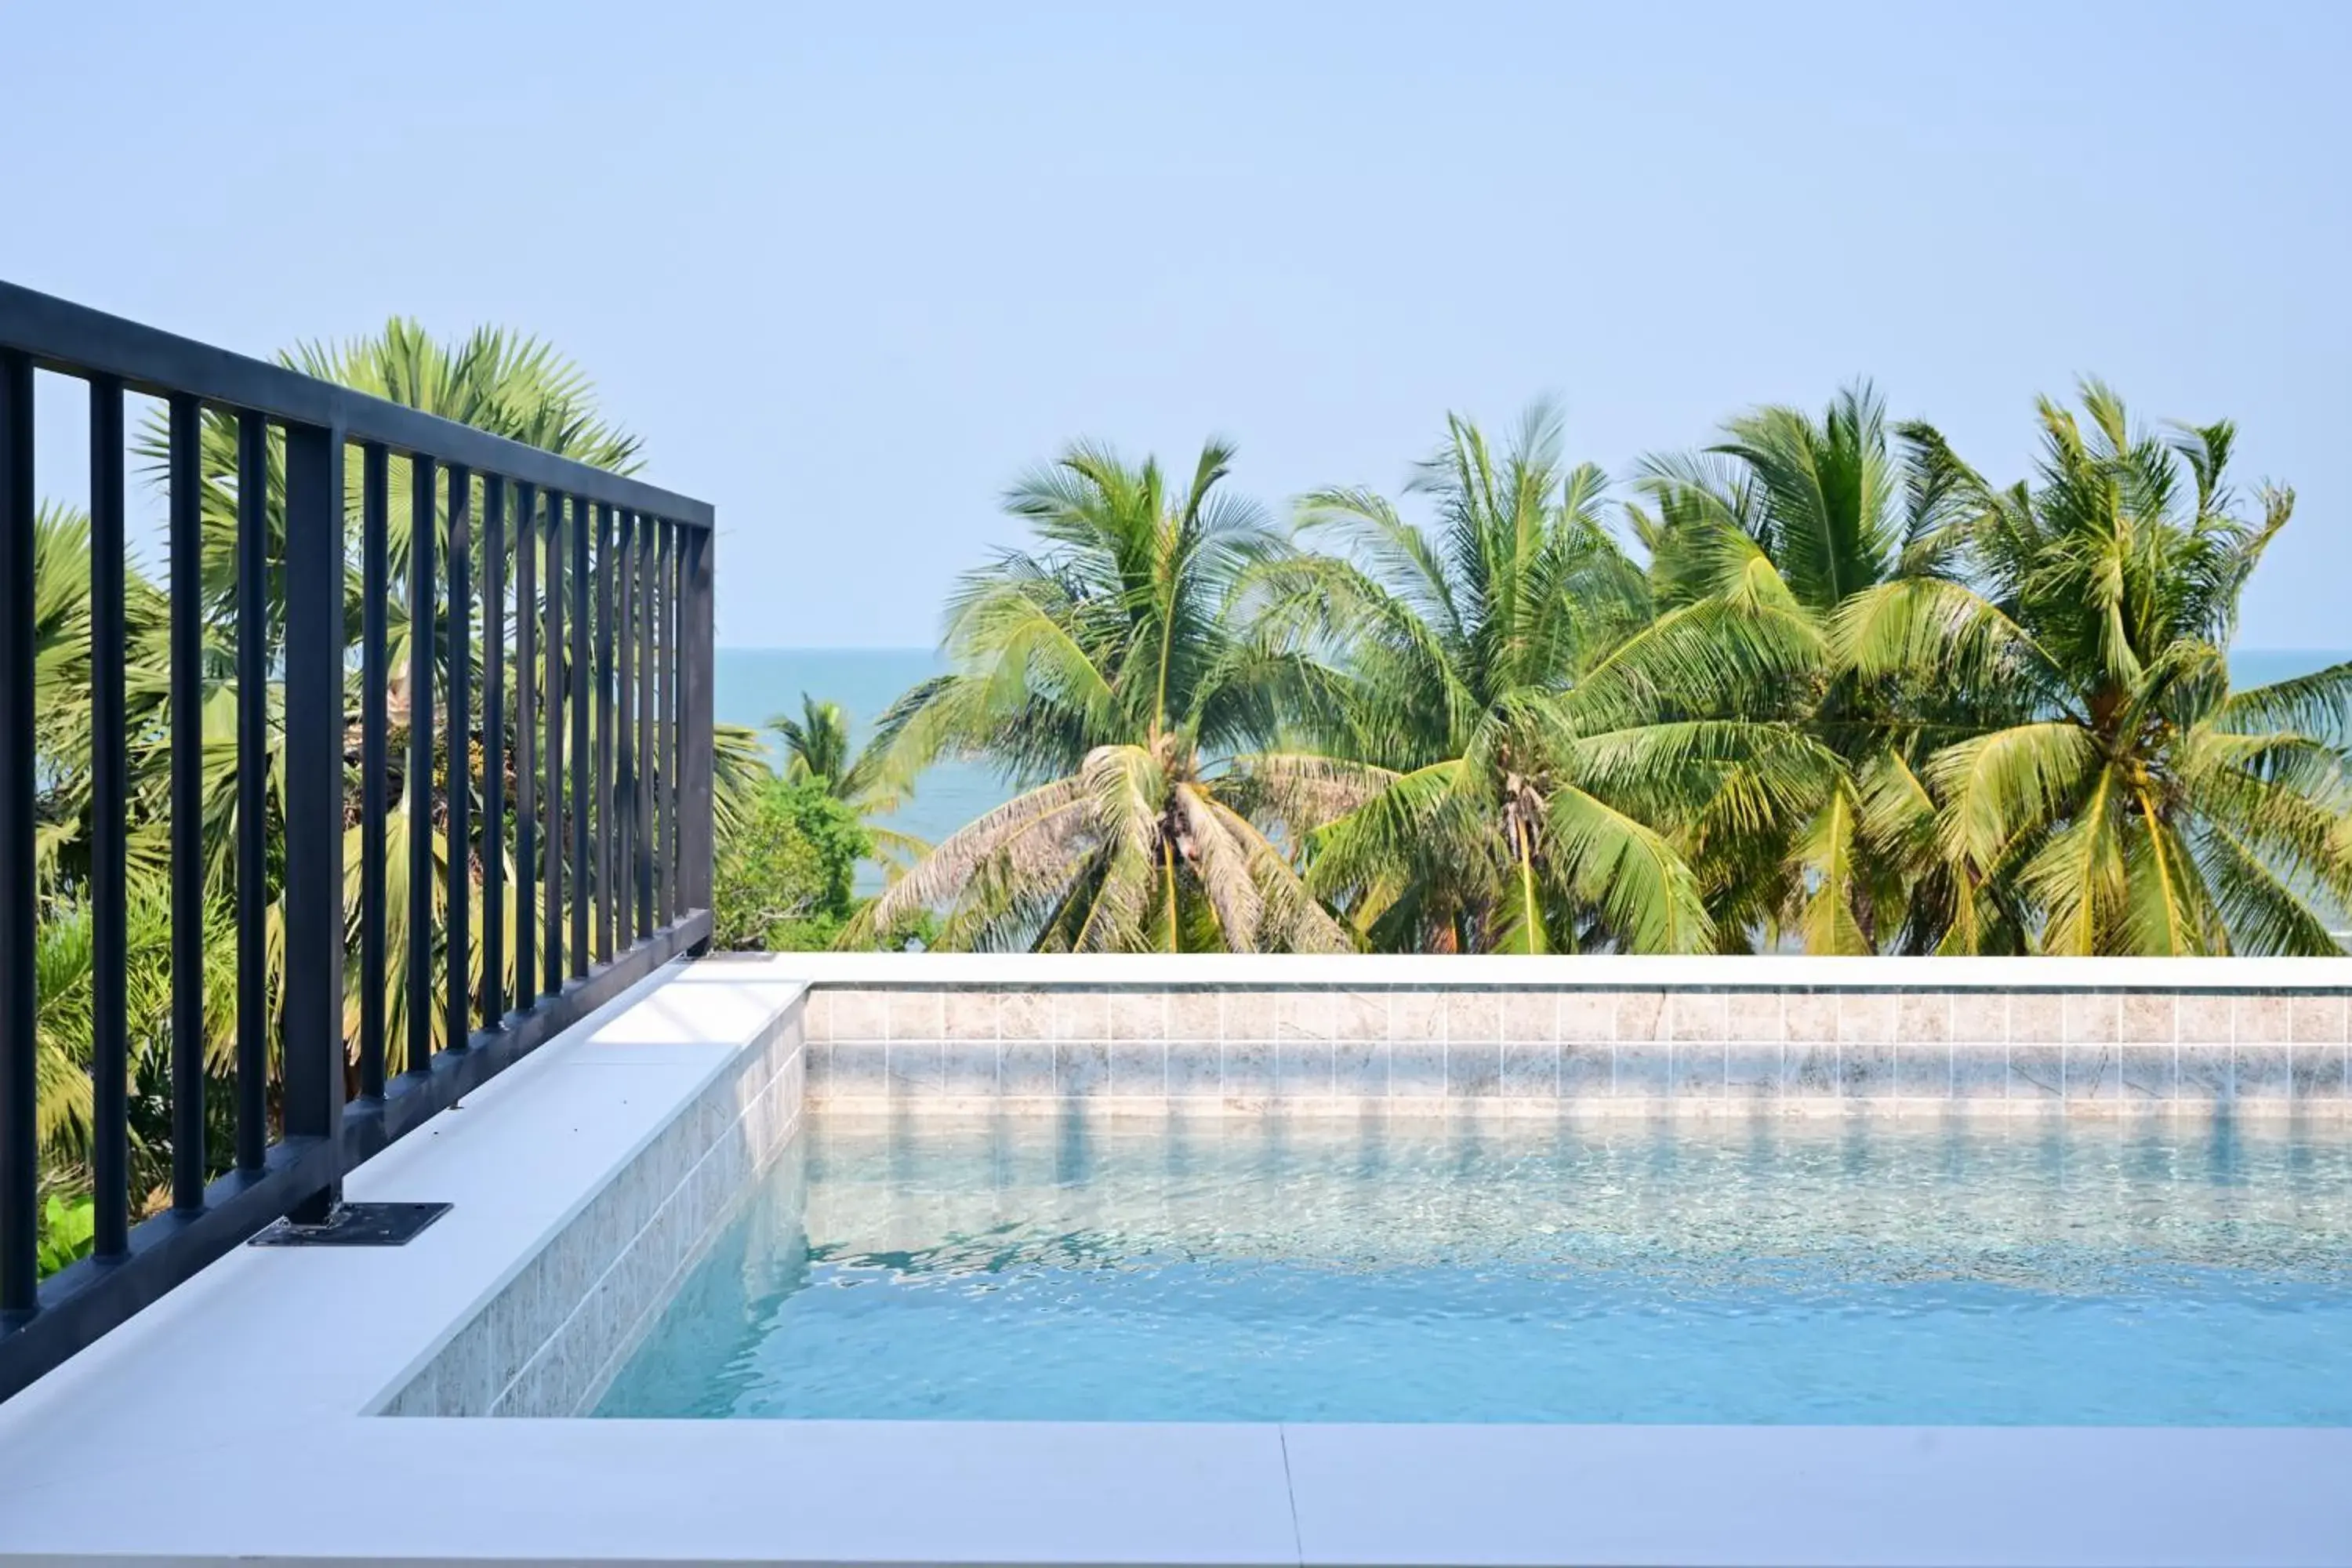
[1290, 1492]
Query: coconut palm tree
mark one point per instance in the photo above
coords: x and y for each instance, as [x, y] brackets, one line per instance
[1111, 671]
[2128, 800]
[1756, 546]
[1457, 811]
[818, 749]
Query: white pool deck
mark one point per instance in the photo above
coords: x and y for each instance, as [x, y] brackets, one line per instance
[229, 1423]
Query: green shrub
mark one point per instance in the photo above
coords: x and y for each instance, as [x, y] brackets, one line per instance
[784, 877]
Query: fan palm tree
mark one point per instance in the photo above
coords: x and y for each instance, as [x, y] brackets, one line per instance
[1111, 671]
[818, 749]
[511, 385]
[2129, 800]
[1756, 546]
[1457, 811]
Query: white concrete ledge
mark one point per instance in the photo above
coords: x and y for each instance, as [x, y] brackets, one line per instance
[1613, 970]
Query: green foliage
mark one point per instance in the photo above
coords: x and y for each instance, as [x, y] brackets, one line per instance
[785, 871]
[67, 1227]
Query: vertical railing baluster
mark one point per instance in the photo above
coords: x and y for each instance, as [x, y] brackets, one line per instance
[665, 799]
[20, 1170]
[696, 838]
[641, 874]
[315, 1055]
[551, 791]
[625, 705]
[375, 688]
[423, 523]
[110, 810]
[583, 782]
[186, 533]
[494, 749]
[604, 676]
[526, 864]
[252, 792]
[459, 905]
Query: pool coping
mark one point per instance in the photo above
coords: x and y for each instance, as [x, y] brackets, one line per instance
[236, 1404]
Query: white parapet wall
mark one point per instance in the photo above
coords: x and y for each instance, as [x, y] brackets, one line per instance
[1599, 1035]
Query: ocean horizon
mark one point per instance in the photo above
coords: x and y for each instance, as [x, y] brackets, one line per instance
[755, 684]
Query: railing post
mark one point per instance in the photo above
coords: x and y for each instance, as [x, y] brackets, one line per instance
[19, 1151]
[313, 1068]
[695, 802]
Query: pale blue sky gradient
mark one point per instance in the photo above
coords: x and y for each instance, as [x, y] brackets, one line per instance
[848, 269]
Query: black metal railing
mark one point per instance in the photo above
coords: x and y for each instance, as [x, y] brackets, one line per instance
[592, 842]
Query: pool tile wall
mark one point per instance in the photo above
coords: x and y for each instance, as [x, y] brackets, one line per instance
[1246, 1049]
[551, 1340]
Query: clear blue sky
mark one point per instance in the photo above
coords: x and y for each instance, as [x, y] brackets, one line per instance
[849, 268]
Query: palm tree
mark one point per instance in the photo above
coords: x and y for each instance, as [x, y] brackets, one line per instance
[1459, 811]
[1757, 547]
[818, 749]
[1111, 672]
[513, 386]
[2125, 799]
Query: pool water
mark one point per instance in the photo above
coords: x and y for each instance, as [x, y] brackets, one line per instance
[1029, 1268]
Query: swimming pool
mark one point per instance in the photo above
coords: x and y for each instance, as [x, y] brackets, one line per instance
[2185, 1272]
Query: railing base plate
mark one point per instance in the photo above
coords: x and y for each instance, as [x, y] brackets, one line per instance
[356, 1224]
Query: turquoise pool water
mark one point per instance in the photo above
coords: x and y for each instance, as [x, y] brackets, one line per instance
[2192, 1274]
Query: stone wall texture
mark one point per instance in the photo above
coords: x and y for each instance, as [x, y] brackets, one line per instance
[1543, 1050]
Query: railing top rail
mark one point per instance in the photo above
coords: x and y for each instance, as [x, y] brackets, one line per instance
[73, 339]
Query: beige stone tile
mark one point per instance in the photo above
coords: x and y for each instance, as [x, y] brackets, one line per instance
[1586, 1068]
[2093, 1075]
[1250, 1016]
[1472, 1017]
[1308, 1014]
[1473, 1070]
[2037, 1017]
[970, 1013]
[2146, 1072]
[2147, 1017]
[1753, 1017]
[1641, 1016]
[2093, 1018]
[1980, 1017]
[1866, 1017]
[1923, 1070]
[916, 1014]
[1695, 1016]
[1195, 1013]
[1303, 1069]
[1025, 1016]
[1531, 1017]
[2316, 1019]
[859, 1015]
[1081, 1014]
[2261, 1020]
[1697, 1069]
[2037, 1071]
[2203, 1017]
[1417, 1017]
[1360, 1015]
[1590, 1016]
[1531, 1070]
[2318, 1073]
[1810, 1018]
[1923, 1017]
[1138, 1015]
[2260, 1073]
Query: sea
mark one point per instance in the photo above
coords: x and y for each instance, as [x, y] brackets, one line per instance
[755, 684]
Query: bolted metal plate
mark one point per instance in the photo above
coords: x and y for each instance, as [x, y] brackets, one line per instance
[356, 1224]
